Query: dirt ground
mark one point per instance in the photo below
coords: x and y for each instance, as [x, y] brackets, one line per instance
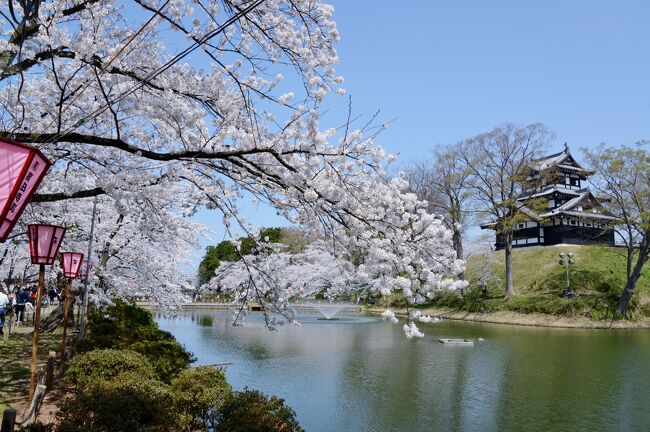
[15, 362]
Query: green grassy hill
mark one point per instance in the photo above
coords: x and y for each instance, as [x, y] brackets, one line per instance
[597, 279]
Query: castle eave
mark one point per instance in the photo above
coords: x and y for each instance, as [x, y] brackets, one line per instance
[579, 215]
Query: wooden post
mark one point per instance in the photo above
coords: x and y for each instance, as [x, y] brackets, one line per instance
[41, 374]
[49, 369]
[37, 323]
[66, 314]
[8, 420]
[78, 316]
[32, 413]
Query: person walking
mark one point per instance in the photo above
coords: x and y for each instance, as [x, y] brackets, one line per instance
[21, 299]
[53, 296]
[4, 301]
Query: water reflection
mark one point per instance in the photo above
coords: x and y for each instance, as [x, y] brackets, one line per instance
[360, 373]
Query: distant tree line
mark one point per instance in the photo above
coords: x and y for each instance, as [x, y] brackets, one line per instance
[226, 251]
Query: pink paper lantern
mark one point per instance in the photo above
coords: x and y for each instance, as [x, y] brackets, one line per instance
[71, 262]
[44, 242]
[22, 168]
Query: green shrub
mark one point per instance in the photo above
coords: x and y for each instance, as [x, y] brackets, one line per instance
[38, 427]
[168, 357]
[121, 325]
[128, 402]
[473, 301]
[131, 376]
[644, 309]
[198, 394]
[126, 326]
[251, 411]
[97, 366]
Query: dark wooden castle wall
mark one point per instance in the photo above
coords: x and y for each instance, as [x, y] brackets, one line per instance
[557, 234]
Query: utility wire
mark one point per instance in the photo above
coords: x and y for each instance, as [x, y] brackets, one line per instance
[105, 67]
[162, 68]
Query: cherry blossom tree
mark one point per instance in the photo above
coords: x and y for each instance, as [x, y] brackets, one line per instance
[161, 108]
[443, 181]
[405, 250]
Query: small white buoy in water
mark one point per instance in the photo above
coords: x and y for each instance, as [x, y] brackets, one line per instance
[481, 339]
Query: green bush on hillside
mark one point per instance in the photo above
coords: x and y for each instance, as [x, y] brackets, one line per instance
[168, 357]
[128, 402]
[130, 385]
[199, 393]
[119, 326]
[126, 326]
[97, 366]
[251, 410]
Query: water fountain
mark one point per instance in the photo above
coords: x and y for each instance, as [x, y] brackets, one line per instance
[328, 310]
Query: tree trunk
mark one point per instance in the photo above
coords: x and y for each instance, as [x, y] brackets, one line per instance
[630, 260]
[630, 285]
[510, 291]
[55, 318]
[458, 247]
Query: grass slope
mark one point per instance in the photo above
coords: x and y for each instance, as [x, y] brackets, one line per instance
[597, 279]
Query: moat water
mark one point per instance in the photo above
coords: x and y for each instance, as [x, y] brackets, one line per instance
[361, 374]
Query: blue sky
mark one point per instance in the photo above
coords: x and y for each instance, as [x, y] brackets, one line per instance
[450, 70]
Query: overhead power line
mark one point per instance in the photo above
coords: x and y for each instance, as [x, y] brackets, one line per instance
[152, 75]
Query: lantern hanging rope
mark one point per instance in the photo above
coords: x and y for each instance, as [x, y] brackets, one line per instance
[22, 168]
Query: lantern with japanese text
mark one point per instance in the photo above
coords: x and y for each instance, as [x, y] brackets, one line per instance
[44, 244]
[22, 168]
[71, 263]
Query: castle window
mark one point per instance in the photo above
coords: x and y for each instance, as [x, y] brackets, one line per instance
[521, 225]
[573, 222]
[574, 181]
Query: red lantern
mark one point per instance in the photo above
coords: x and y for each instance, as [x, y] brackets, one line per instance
[71, 262]
[44, 242]
[22, 168]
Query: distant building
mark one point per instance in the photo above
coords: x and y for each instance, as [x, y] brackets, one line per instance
[571, 213]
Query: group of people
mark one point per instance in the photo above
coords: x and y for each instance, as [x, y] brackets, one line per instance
[20, 300]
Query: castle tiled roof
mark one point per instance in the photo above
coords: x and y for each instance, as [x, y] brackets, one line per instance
[562, 160]
[552, 189]
[568, 209]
